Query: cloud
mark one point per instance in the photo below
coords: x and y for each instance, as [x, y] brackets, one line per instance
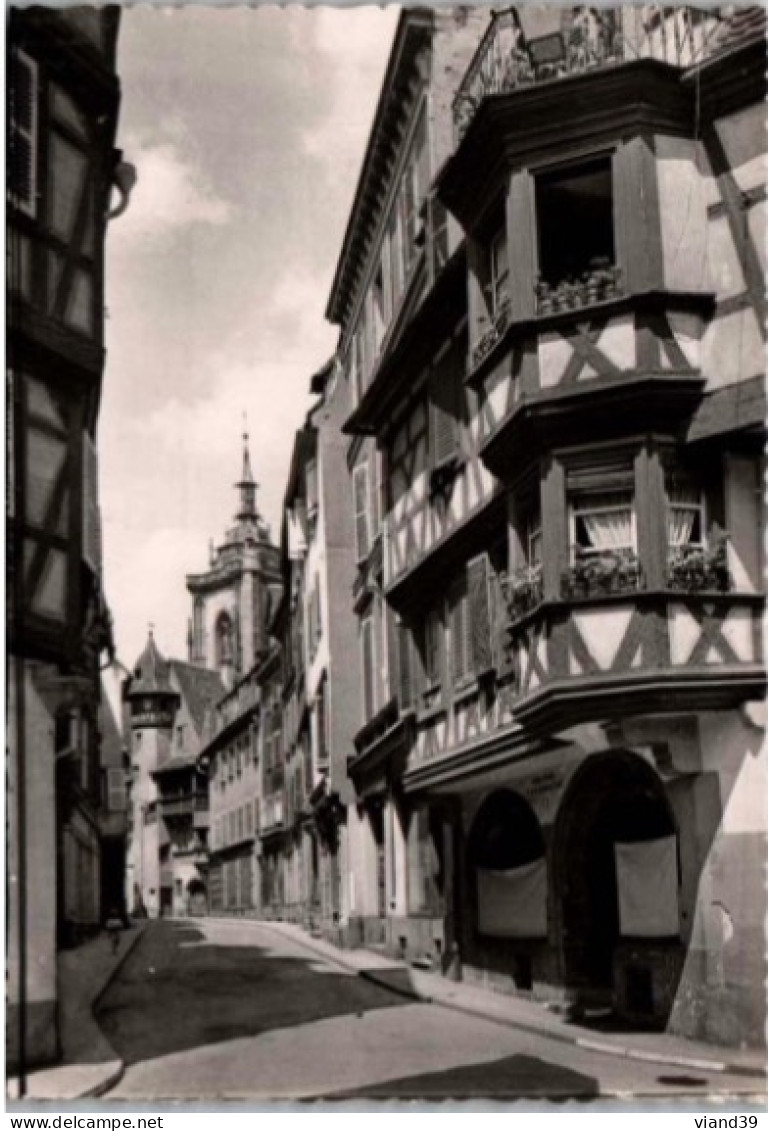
[355, 45]
[171, 193]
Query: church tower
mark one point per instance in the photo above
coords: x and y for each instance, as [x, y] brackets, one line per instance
[231, 601]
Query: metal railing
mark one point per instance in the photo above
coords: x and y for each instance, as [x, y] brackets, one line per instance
[506, 60]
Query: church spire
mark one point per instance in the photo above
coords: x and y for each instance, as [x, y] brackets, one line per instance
[247, 485]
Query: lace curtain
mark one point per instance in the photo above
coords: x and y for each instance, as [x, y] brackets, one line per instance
[608, 523]
[684, 506]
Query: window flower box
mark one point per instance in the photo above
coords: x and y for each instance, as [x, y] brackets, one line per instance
[593, 575]
[693, 569]
[595, 285]
[522, 591]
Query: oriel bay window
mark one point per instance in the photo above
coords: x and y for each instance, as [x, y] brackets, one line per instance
[576, 243]
[492, 289]
[697, 557]
[602, 528]
[522, 587]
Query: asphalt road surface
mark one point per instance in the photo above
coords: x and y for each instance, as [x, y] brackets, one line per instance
[232, 1010]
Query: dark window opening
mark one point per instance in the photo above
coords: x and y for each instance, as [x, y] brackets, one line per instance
[574, 208]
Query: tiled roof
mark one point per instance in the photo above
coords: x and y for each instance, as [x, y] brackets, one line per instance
[150, 671]
[200, 687]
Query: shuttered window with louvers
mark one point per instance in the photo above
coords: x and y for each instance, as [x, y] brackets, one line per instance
[367, 647]
[22, 140]
[361, 502]
[478, 588]
[444, 412]
[461, 656]
[91, 512]
[405, 666]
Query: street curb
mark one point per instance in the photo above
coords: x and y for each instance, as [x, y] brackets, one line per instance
[625, 1051]
[373, 976]
[132, 943]
[377, 977]
[97, 1090]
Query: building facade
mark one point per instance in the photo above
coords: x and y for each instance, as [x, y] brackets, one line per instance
[63, 101]
[552, 322]
[231, 763]
[169, 707]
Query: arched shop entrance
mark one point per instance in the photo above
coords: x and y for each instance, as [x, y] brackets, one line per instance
[508, 884]
[197, 901]
[616, 875]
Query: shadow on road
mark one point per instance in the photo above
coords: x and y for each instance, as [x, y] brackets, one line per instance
[511, 1077]
[178, 991]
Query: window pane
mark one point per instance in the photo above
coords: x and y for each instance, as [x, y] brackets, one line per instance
[574, 210]
[66, 184]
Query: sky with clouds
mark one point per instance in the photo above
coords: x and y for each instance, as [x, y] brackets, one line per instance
[247, 127]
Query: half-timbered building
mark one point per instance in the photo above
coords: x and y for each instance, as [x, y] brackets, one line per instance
[551, 305]
[63, 100]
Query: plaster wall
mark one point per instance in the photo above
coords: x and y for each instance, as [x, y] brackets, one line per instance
[41, 874]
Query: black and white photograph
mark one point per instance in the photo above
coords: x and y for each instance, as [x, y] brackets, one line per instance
[385, 551]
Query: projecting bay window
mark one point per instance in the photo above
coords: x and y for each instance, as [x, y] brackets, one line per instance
[523, 587]
[576, 243]
[603, 535]
[491, 289]
[697, 553]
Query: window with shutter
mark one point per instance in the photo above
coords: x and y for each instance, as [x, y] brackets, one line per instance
[478, 588]
[461, 665]
[405, 666]
[22, 138]
[361, 503]
[115, 790]
[367, 648]
[311, 475]
[91, 513]
[433, 647]
[445, 409]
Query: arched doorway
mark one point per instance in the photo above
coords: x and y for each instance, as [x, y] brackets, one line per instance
[197, 902]
[506, 855]
[614, 799]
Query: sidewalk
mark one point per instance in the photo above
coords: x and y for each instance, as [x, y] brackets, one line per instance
[530, 1016]
[89, 1065]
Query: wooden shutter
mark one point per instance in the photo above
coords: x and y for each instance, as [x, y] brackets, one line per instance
[361, 501]
[91, 514]
[23, 132]
[311, 474]
[405, 667]
[444, 439]
[368, 667]
[478, 587]
[460, 652]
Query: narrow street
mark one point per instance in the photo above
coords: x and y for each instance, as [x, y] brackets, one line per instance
[235, 1010]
